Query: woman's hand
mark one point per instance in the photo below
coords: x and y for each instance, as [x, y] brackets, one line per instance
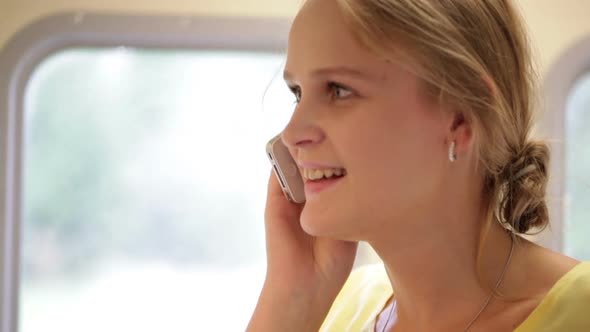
[296, 259]
[304, 273]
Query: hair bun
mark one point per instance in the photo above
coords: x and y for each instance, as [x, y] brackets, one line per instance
[524, 179]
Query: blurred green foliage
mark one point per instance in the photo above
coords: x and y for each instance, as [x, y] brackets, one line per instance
[92, 114]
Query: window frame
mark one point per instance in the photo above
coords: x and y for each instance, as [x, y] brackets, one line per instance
[32, 45]
[557, 85]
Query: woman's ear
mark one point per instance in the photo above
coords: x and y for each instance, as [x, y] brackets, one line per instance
[461, 132]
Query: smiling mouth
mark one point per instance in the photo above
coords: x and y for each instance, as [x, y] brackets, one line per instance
[322, 174]
[315, 186]
[333, 177]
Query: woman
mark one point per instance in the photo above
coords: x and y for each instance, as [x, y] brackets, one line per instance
[426, 108]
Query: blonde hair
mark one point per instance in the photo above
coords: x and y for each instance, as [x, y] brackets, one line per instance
[475, 56]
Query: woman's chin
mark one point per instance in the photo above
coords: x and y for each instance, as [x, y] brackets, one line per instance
[319, 224]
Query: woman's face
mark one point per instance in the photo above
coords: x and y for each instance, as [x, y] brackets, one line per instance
[365, 114]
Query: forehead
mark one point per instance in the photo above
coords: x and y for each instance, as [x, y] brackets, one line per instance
[320, 37]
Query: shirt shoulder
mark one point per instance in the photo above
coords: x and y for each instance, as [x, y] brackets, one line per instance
[360, 300]
[565, 307]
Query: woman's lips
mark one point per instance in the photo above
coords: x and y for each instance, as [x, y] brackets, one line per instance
[314, 187]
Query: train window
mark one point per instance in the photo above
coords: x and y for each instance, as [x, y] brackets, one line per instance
[577, 219]
[144, 187]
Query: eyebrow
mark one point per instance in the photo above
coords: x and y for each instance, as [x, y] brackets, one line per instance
[341, 70]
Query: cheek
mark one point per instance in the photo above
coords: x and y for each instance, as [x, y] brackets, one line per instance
[400, 174]
[397, 167]
[382, 186]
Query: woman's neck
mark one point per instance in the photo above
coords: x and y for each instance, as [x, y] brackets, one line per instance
[434, 275]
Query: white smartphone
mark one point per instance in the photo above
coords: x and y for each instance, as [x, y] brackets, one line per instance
[286, 170]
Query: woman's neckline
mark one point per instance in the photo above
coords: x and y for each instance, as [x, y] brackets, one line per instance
[557, 286]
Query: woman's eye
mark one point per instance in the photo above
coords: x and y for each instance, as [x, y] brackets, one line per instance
[336, 91]
[339, 91]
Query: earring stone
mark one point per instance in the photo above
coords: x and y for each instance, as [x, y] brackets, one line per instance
[452, 156]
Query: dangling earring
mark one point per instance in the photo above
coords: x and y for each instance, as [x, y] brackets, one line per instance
[452, 156]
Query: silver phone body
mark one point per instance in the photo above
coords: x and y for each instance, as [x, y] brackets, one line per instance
[286, 170]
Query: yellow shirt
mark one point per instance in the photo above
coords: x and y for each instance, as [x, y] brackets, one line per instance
[566, 307]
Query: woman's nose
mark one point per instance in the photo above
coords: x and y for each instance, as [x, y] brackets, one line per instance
[302, 130]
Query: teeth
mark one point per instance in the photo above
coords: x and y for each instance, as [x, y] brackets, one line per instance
[316, 174]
